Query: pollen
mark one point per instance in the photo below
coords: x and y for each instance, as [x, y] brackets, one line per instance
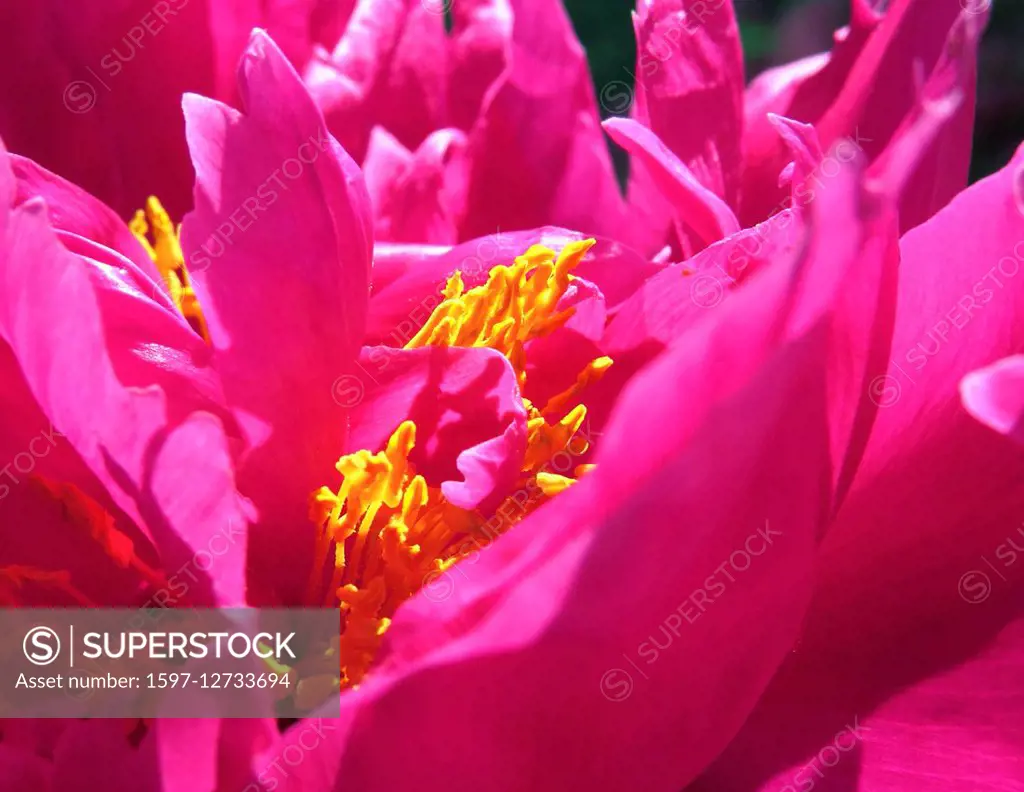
[517, 304]
[386, 532]
[390, 532]
[162, 241]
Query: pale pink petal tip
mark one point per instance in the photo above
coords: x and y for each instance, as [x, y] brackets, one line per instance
[995, 396]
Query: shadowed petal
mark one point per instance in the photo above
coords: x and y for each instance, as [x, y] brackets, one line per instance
[537, 152]
[900, 594]
[417, 196]
[546, 614]
[470, 419]
[139, 375]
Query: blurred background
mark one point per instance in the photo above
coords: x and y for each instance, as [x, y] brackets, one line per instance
[776, 31]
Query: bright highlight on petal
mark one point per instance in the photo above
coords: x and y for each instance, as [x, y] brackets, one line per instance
[391, 531]
[165, 250]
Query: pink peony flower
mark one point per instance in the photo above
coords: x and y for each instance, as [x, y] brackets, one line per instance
[722, 518]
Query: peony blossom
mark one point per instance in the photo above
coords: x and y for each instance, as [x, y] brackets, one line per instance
[695, 488]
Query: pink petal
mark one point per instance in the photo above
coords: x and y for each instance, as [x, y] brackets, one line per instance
[393, 260]
[174, 755]
[995, 394]
[139, 376]
[388, 69]
[22, 771]
[695, 206]
[670, 302]
[804, 146]
[43, 533]
[470, 419]
[74, 211]
[918, 573]
[690, 75]
[415, 277]
[282, 228]
[537, 152]
[574, 598]
[865, 91]
[417, 197]
[553, 362]
[801, 90]
[552, 623]
[942, 161]
[101, 104]
[481, 38]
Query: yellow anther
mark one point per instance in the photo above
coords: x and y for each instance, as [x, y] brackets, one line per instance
[552, 484]
[517, 304]
[591, 374]
[544, 440]
[391, 531]
[165, 250]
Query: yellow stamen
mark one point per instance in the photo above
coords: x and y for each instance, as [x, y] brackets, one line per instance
[591, 374]
[165, 250]
[517, 304]
[393, 533]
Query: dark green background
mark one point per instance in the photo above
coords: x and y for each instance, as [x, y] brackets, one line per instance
[775, 31]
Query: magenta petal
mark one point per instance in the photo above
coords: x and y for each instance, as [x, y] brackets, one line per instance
[671, 301]
[280, 242]
[470, 419]
[556, 607]
[23, 771]
[537, 153]
[695, 206]
[565, 608]
[139, 374]
[803, 144]
[941, 161]
[553, 362]
[995, 395]
[801, 90]
[865, 91]
[175, 755]
[935, 487]
[481, 39]
[388, 69]
[72, 210]
[101, 105]
[421, 196]
[690, 73]
[969, 716]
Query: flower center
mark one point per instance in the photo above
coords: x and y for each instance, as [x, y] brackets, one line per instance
[155, 224]
[390, 530]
